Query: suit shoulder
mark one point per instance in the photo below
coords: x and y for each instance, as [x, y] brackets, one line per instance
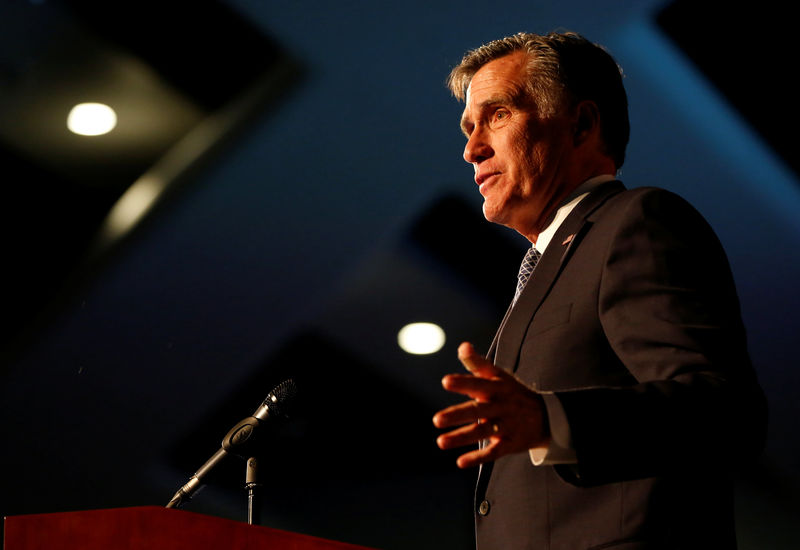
[650, 195]
[653, 203]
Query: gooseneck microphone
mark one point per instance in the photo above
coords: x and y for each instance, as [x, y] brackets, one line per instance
[275, 405]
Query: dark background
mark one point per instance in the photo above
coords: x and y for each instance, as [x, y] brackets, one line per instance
[298, 170]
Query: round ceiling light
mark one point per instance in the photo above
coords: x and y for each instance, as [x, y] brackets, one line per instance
[91, 119]
[421, 338]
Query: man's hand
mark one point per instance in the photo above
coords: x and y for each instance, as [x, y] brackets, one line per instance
[501, 410]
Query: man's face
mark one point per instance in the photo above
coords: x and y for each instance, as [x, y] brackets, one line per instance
[521, 158]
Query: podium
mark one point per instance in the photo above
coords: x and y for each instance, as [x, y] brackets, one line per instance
[151, 528]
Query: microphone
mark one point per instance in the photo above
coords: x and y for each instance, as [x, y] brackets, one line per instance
[275, 405]
[277, 401]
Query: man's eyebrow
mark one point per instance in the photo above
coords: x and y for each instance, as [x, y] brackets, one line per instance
[496, 100]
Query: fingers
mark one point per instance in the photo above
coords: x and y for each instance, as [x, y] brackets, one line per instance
[470, 434]
[464, 413]
[481, 389]
[479, 456]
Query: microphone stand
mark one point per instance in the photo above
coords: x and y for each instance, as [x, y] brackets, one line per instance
[253, 492]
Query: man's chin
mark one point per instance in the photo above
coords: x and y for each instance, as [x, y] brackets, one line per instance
[494, 216]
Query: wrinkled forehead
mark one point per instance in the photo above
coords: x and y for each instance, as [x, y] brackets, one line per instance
[507, 75]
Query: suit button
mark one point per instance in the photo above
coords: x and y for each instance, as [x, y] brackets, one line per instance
[483, 508]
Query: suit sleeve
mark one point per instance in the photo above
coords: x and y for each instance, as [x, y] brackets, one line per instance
[669, 310]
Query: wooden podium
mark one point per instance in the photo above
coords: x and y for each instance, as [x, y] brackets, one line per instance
[150, 528]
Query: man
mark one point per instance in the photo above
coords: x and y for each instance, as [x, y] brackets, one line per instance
[617, 398]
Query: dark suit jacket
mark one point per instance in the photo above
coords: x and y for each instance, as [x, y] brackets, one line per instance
[634, 325]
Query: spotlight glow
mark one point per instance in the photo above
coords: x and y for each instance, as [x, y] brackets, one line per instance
[91, 119]
[421, 338]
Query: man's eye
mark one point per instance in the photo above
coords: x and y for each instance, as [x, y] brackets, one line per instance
[500, 115]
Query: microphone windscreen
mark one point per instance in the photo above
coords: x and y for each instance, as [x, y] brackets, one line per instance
[281, 396]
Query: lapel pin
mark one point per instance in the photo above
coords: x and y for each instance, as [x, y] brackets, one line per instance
[568, 240]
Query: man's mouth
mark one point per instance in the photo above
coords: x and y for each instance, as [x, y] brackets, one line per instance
[482, 177]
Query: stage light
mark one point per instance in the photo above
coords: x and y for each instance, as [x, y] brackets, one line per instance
[132, 206]
[91, 119]
[421, 338]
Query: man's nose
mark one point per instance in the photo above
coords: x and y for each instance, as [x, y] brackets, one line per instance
[477, 148]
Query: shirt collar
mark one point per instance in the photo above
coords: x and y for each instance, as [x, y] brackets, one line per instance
[566, 208]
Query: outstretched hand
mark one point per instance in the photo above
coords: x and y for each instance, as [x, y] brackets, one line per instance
[502, 411]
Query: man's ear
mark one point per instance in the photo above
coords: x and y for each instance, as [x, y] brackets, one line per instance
[586, 121]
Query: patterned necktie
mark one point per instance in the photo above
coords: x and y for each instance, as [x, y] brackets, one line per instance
[526, 268]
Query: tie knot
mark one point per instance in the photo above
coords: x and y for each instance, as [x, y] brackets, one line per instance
[526, 268]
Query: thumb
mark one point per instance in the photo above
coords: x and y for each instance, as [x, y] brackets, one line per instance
[475, 362]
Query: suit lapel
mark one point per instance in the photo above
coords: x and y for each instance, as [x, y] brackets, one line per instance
[508, 341]
[490, 355]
